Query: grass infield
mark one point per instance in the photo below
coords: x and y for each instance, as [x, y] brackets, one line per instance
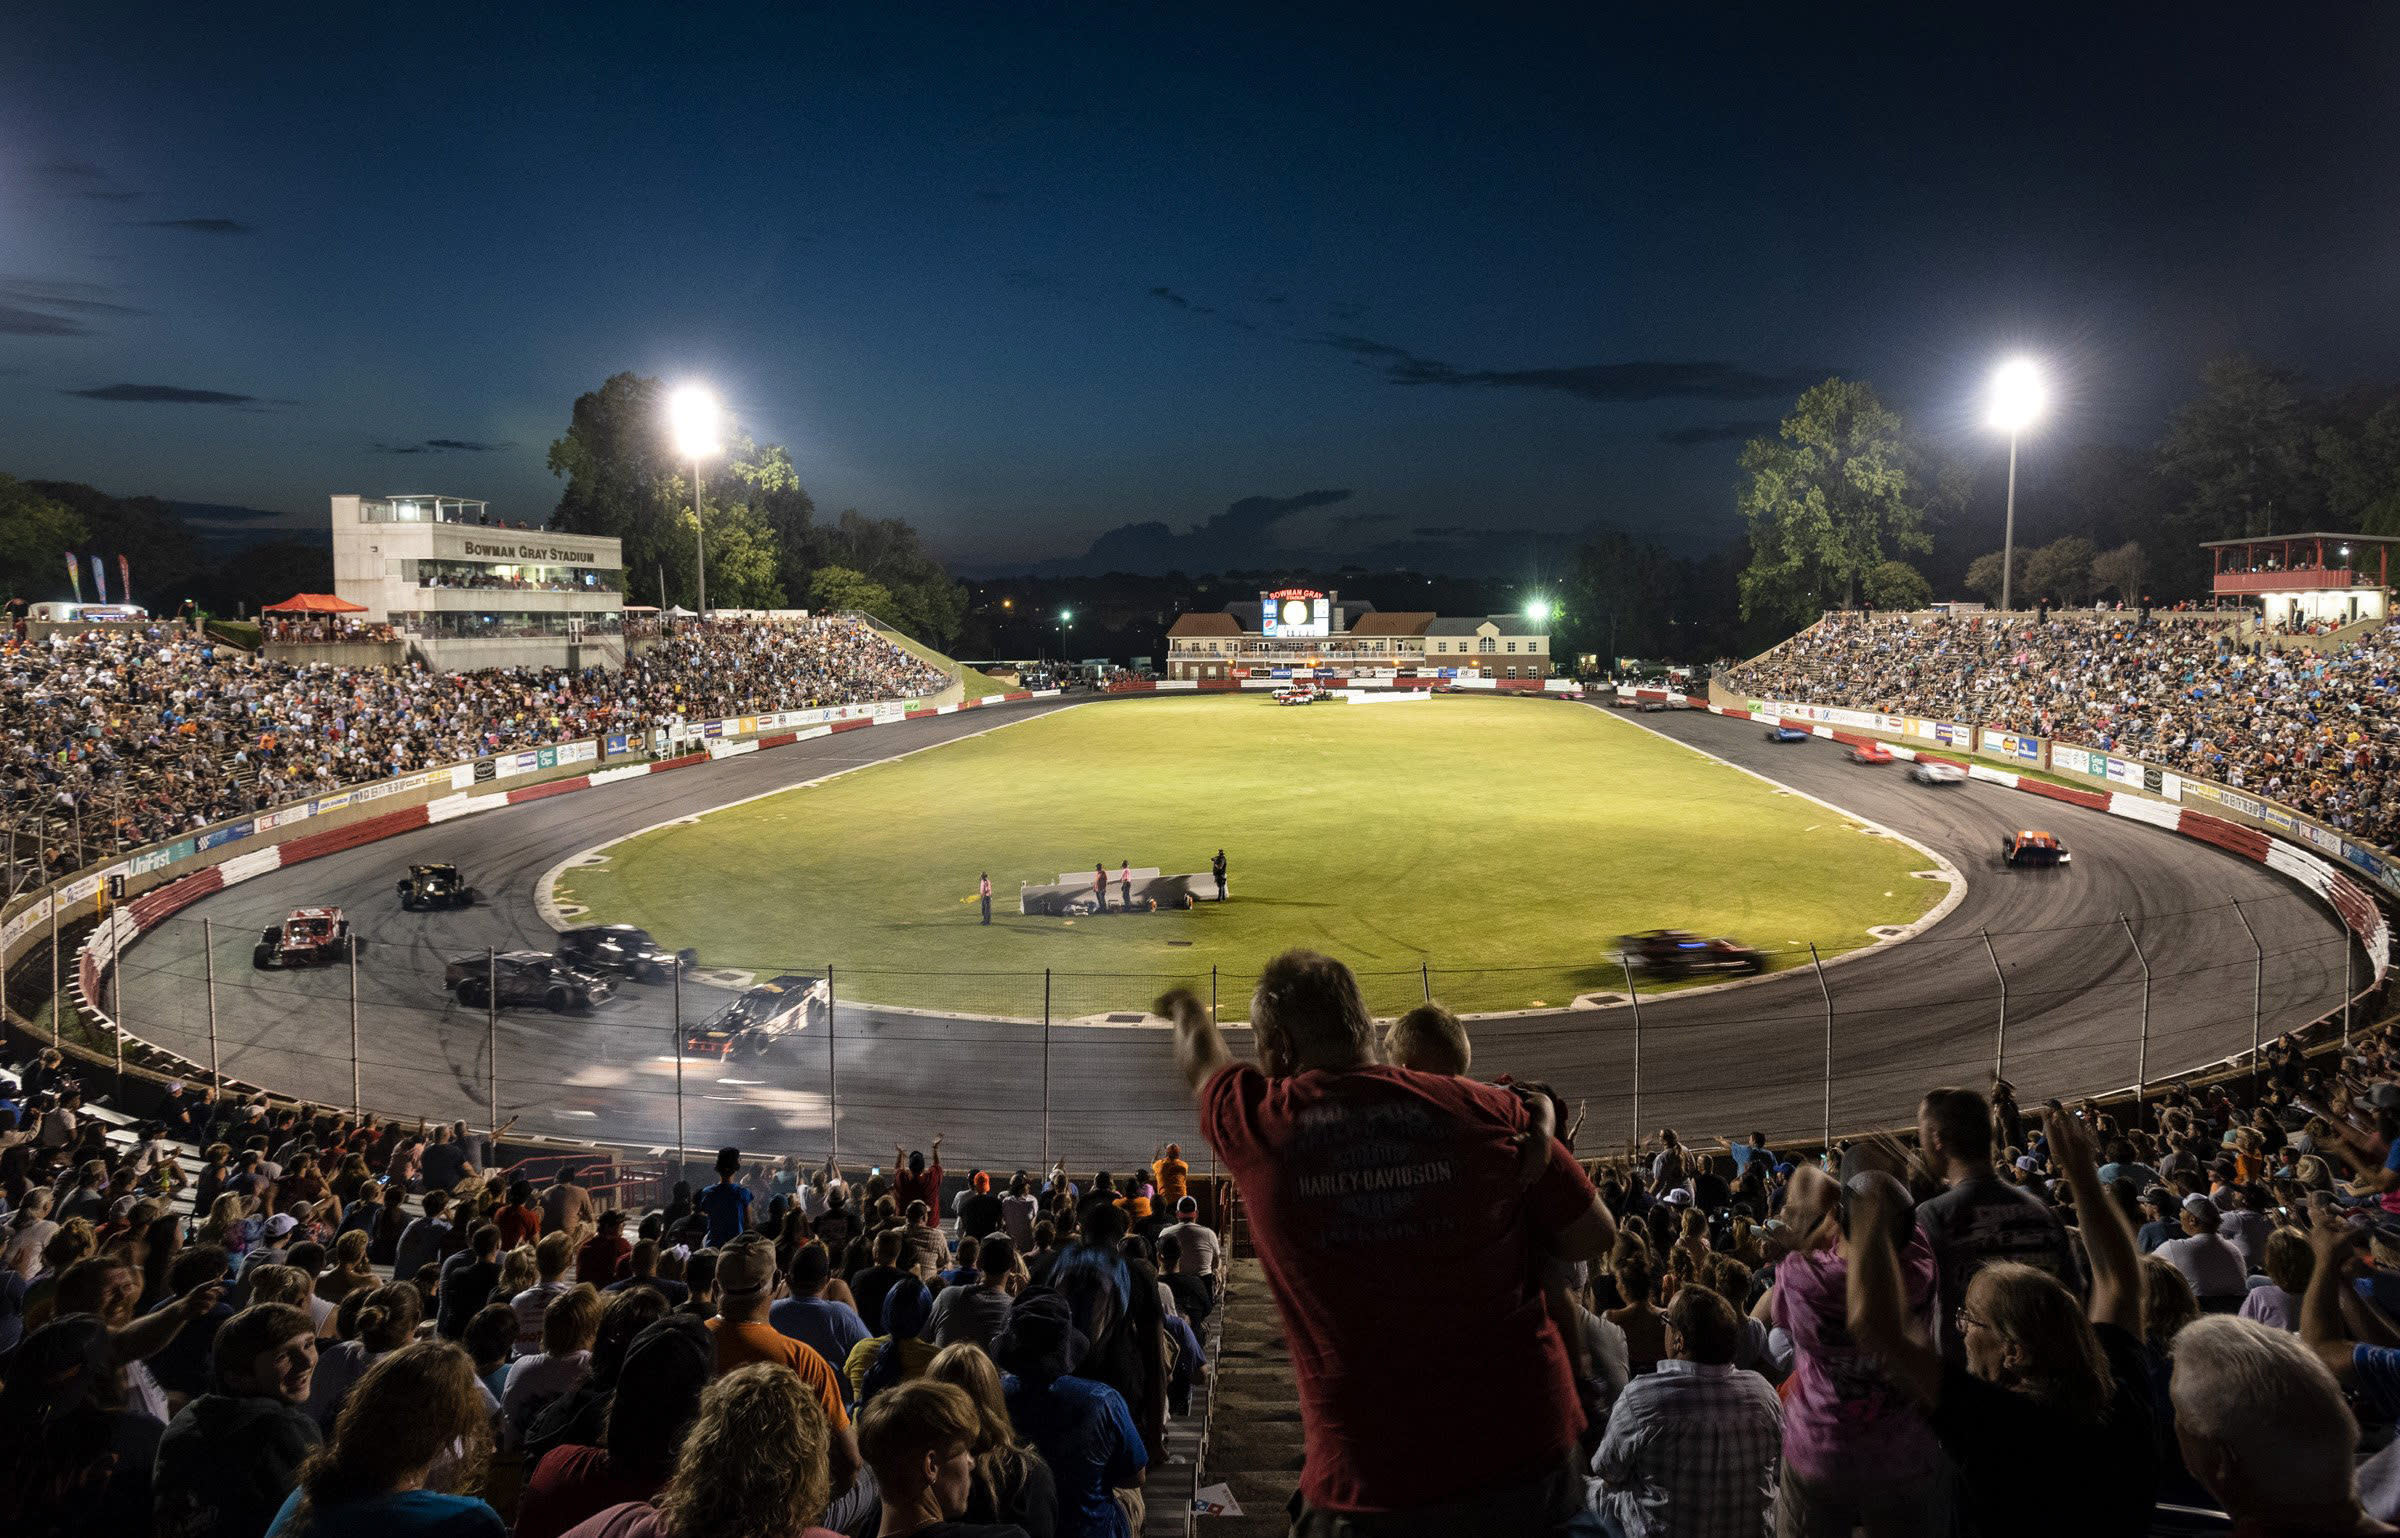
[1504, 843]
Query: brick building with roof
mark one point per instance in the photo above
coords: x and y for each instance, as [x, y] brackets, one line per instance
[1303, 631]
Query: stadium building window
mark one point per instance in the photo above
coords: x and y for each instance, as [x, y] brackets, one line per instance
[1512, 646]
[1484, 644]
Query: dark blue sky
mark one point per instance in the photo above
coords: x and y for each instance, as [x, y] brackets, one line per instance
[1023, 274]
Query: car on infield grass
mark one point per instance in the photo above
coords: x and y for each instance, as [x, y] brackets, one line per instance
[1298, 694]
[435, 886]
[623, 950]
[1870, 753]
[1674, 953]
[524, 977]
[752, 1025]
[311, 937]
[2031, 846]
[1937, 771]
[1787, 734]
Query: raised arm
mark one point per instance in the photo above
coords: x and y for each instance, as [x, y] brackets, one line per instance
[2107, 1238]
[2321, 1329]
[1878, 1299]
[1200, 1049]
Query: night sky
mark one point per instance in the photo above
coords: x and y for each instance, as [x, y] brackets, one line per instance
[1023, 274]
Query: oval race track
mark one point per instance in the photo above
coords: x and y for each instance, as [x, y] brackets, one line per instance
[1906, 1016]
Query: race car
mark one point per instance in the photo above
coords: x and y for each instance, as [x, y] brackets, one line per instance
[1673, 953]
[435, 886]
[311, 937]
[1787, 734]
[524, 977]
[1937, 771]
[1298, 694]
[2030, 846]
[753, 1024]
[1870, 753]
[624, 950]
[1650, 707]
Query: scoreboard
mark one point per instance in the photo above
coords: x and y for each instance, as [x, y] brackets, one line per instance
[1295, 611]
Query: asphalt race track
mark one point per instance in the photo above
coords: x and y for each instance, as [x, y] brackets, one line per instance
[1906, 1016]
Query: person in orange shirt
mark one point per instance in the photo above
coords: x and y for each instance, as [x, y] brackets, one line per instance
[1171, 1175]
[746, 1276]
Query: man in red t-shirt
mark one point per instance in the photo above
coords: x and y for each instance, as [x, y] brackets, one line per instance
[915, 1181]
[1399, 1239]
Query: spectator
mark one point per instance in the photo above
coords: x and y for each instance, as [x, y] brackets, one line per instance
[1012, 1484]
[1192, 1299]
[386, 1322]
[1694, 1446]
[566, 1207]
[658, 1391]
[2262, 1425]
[641, 1270]
[1639, 1319]
[979, 1209]
[2213, 1266]
[184, 1366]
[417, 1426]
[424, 1240]
[1117, 1304]
[491, 1339]
[2040, 1371]
[1857, 1451]
[725, 1204]
[520, 1219]
[901, 1352]
[975, 1311]
[1083, 1430]
[1170, 1175]
[2244, 1227]
[446, 1162]
[1980, 1219]
[604, 1255]
[550, 1259]
[569, 1326]
[80, 1457]
[230, 1457]
[922, 1248]
[1199, 1252]
[468, 1278]
[2289, 1265]
[825, 1325]
[579, 1415]
[913, 1180]
[920, 1439]
[754, 1465]
[745, 1281]
[1018, 1209]
[1376, 1364]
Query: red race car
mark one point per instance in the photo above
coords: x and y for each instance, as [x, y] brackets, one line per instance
[1870, 753]
[311, 937]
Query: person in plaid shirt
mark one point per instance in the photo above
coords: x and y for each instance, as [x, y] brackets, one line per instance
[1693, 1449]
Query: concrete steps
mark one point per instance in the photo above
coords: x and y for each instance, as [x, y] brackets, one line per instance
[1254, 1436]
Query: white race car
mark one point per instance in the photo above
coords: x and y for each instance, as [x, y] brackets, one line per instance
[1298, 694]
[1935, 771]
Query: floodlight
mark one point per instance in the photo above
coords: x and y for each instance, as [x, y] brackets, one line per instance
[692, 414]
[1538, 611]
[2018, 395]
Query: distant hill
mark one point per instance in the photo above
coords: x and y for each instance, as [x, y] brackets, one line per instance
[223, 528]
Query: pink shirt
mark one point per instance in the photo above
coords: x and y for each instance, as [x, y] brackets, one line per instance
[1845, 1424]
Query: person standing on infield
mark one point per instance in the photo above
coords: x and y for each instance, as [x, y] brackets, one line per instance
[1216, 868]
[985, 888]
[1125, 885]
[1100, 884]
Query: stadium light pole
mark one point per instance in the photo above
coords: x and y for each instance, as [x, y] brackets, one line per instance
[2018, 396]
[692, 414]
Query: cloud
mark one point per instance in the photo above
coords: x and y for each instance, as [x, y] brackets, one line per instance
[161, 395]
[201, 226]
[1181, 303]
[442, 446]
[1242, 534]
[82, 179]
[18, 321]
[1718, 432]
[1610, 383]
[33, 307]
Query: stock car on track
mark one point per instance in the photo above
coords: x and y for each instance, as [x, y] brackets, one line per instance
[1298, 694]
[435, 886]
[1787, 734]
[2030, 846]
[1673, 953]
[1937, 771]
[751, 1025]
[311, 937]
[624, 950]
[524, 977]
[1649, 707]
[1870, 753]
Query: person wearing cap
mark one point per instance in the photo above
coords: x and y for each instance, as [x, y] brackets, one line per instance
[745, 1285]
[1980, 1219]
[725, 1204]
[2159, 1212]
[2207, 1260]
[1347, 1166]
[979, 1208]
[1082, 1429]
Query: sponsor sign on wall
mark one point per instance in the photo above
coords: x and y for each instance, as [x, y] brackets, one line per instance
[2013, 745]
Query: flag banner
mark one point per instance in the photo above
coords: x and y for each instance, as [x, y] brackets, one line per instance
[124, 580]
[75, 575]
[99, 579]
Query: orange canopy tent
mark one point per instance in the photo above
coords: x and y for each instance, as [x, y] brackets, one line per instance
[314, 603]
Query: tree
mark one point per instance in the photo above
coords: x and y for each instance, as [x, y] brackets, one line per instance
[36, 532]
[1983, 576]
[2120, 571]
[2361, 463]
[2242, 455]
[2060, 571]
[1897, 585]
[1830, 498]
[838, 588]
[623, 481]
[742, 564]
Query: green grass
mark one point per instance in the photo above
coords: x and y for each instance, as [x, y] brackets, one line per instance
[977, 684]
[1506, 843]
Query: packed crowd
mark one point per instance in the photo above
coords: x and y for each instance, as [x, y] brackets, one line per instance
[364, 1328]
[115, 739]
[321, 629]
[2316, 730]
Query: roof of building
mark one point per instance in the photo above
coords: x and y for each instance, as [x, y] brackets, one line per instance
[2296, 539]
[1392, 622]
[1204, 624]
[1457, 625]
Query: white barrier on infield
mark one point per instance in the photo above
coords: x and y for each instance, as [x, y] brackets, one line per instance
[1385, 696]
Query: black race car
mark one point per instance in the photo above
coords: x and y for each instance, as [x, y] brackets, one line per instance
[435, 886]
[524, 977]
[2030, 846]
[1673, 953]
[623, 950]
[754, 1024]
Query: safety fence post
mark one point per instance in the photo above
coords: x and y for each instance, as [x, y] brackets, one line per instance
[116, 1034]
[2000, 1043]
[357, 1101]
[1818, 962]
[675, 1035]
[1635, 995]
[2141, 1062]
[2258, 993]
[1425, 978]
[1046, 1058]
[2348, 962]
[53, 901]
[208, 960]
[491, 1029]
[1212, 993]
[833, 1091]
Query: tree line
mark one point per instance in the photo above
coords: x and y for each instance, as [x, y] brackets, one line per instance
[765, 547]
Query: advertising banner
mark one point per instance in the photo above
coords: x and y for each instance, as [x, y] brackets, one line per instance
[2011, 745]
[225, 835]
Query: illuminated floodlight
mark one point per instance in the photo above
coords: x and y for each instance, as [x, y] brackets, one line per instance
[693, 416]
[1066, 616]
[2018, 395]
[1538, 611]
